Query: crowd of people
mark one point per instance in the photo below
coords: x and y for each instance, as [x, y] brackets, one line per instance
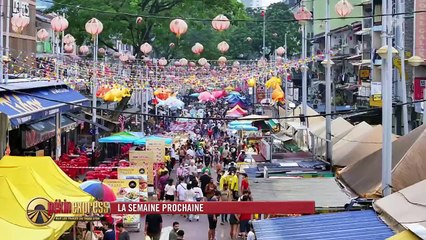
[204, 168]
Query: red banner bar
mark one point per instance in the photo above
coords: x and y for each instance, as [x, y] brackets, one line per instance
[288, 207]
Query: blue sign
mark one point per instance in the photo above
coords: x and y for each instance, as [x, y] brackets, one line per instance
[36, 104]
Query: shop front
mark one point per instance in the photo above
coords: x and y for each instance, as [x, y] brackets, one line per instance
[33, 116]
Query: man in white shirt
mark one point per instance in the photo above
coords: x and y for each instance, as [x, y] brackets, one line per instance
[181, 189]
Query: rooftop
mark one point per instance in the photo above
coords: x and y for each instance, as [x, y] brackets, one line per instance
[324, 191]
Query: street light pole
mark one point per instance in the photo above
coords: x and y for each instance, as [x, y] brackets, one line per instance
[264, 34]
[387, 99]
[304, 73]
[286, 80]
[8, 9]
[400, 32]
[1, 39]
[329, 144]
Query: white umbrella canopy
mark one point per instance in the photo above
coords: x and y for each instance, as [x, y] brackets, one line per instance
[254, 117]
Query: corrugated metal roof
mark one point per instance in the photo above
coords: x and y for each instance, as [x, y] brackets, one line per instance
[334, 226]
[324, 191]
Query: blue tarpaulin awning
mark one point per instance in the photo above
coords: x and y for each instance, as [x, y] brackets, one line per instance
[25, 106]
[344, 225]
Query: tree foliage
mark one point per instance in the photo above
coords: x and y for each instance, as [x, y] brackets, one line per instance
[119, 19]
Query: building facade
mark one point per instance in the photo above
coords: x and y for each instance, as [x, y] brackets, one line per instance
[21, 44]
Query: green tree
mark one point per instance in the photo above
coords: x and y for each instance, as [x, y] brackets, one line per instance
[119, 22]
[279, 21]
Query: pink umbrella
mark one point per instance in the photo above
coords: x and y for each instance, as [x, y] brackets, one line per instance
[206, 97]
[218, 94]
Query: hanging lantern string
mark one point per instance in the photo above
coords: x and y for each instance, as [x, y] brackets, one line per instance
[233, 20]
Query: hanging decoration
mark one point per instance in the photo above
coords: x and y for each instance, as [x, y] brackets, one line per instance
[139, 20]
[303, 15]
[84, 50]
[94, 27]
[162, 62]
[222, 60]
[69, 48]
[223, 47]
[146, 48]
[202, 61]
[280, 51]
[178, 27]
[42, 35]
[59, 24]
[251, 82]
[124, 57]
[68, 39]
[101, 51]
[343, 8]
[197, 48]
[183, 62]
[221, 23]
[19, 22]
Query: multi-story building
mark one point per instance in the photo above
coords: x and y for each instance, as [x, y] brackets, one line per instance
[346, 47]
[20, 44]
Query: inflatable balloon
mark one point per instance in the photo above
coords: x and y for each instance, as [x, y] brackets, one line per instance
[251, 82]
[278, 95]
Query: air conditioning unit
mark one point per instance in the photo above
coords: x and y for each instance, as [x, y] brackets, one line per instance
[367, 23]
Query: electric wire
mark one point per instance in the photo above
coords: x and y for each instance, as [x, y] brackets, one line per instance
[204, 118]
[232, 20]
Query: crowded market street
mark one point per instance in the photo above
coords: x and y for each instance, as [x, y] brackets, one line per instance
[212, 120]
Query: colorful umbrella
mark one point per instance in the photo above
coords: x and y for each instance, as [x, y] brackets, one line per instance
[206, 97]
[98, 190]
[243, 127]
[121, 137]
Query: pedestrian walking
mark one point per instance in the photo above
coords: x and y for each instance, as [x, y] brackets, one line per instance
[170, 191]
[190, 197]
[123, 234]
[153, 226]
[213, 219]
[173, 233]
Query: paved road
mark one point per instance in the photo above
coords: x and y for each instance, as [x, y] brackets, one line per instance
[193, 230]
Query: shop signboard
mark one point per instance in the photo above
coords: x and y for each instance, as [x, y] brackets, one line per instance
[260, 93]
[376, 94]
[138, 174]
[143, 163]
[419, 86]
[364, 74]
[158, 148]
[126, 190]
